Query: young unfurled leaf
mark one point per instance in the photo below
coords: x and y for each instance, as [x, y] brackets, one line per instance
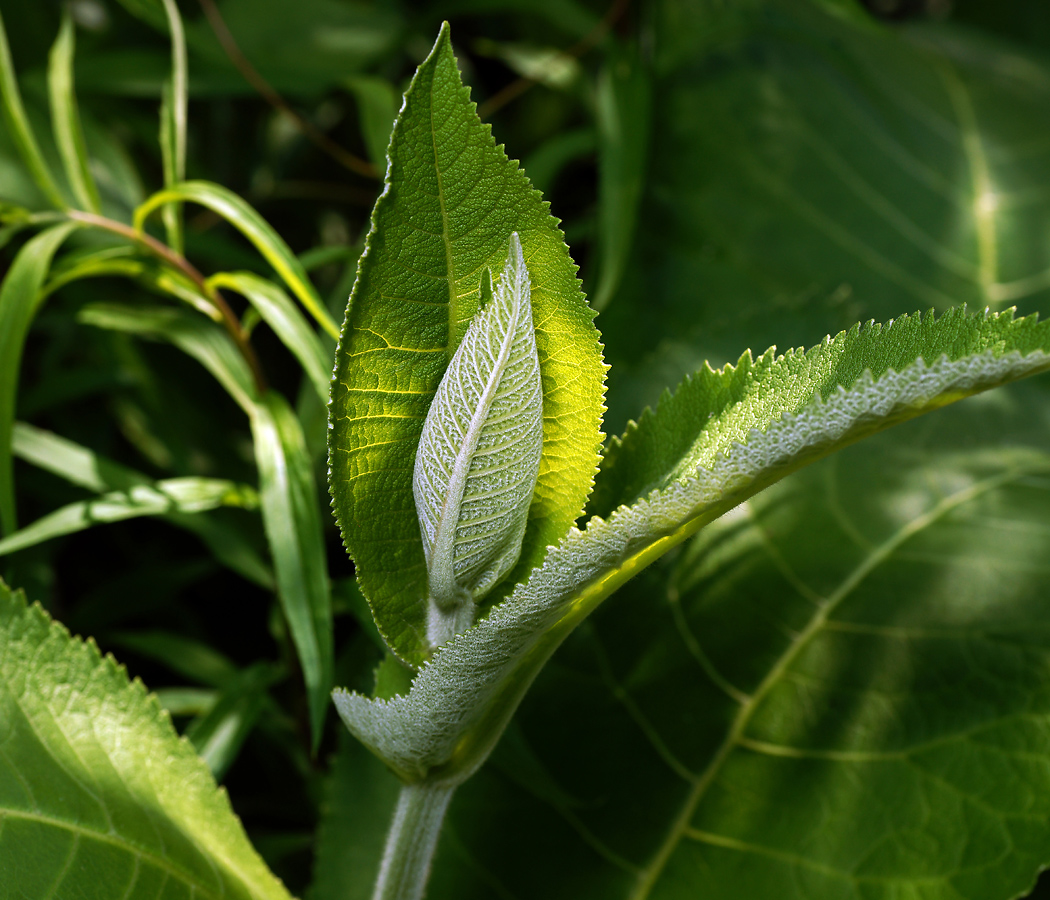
[479, 455]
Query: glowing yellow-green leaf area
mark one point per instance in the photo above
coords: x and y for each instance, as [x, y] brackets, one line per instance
[451, 202]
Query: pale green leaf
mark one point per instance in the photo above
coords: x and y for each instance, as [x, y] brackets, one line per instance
[287, 322]
[19, 297]
[451, 203]
[21, 133]
[93, 779]
[291, 515]
[172, 495]
[65, 118]
[245, 219]
[479, 454]
[459, 704]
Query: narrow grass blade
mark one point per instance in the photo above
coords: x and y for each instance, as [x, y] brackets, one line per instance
[197, 661]
[18, 126]
[623, 141]
[65, 118]
[172, 495]
[288, 493]
[291, 515]
[19, 295]
[128, 261]
[283, 316]
[245, 219]
[203, 340]
[220, 733]
[173, 123]
[377, 103]
[81, 466]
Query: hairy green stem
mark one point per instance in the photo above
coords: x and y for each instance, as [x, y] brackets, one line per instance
[411, 841]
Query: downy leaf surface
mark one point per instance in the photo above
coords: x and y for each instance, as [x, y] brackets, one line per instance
[479, 454]
[451, 201]
[99, 797]
[460, 703]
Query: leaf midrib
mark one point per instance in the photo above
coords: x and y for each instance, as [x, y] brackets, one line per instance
[453, 298]
[681, 825]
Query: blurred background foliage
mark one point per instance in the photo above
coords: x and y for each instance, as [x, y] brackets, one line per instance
[730, 174]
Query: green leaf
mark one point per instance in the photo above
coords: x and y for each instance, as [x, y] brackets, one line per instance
[833, 692]
[291, 514]
[81, 466]
[96, 780]
[205, 341]
[19, 297]
[283, 316]
[220, 733]
[451, 202]
[712, 411]
[65, 119]
[376, 110]
[287, 491]
[358, 799]
[174, 99]
[245, 219]
[192, 659]
[624, 123]
[19, 129]
[812, 170]
[172, 495]
[459, 704]
[479, 454]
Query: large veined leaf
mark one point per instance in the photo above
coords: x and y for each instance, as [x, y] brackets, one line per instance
[459, 704]
[837, 691]
[451, 203]
[815, 169]
[99, 797]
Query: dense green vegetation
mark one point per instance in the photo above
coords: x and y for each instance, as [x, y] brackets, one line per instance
[835, 687]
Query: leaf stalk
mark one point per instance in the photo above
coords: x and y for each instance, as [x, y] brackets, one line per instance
[411, 841]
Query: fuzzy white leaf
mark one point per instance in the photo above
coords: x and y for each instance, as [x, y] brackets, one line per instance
[479, 454]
